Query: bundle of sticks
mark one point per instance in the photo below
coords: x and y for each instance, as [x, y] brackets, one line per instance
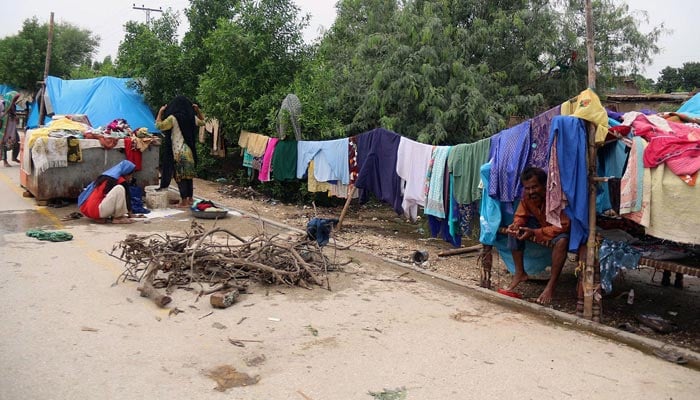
[218, 259]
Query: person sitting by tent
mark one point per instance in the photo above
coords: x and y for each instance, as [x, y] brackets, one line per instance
[9, 137]
[179, 120]
[107, 199]
[530, 222]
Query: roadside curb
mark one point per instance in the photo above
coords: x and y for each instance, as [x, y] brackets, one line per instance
[646, 345]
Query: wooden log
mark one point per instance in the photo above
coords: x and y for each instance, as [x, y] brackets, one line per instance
[147, 290]
[463, 250]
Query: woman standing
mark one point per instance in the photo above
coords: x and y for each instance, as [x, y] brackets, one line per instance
[179, 120]
[9, 138]
[107, 198]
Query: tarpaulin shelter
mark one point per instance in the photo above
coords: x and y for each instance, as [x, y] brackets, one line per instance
[102, 99]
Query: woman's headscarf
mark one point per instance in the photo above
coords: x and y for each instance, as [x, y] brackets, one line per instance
[123, 168]
[8, 100]
[181, 108]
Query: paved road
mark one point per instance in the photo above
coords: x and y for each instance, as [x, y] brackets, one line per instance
[67, 332]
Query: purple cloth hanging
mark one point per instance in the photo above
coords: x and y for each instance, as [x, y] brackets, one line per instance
[539, 138]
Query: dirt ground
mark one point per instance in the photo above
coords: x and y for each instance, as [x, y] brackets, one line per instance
[377, 229]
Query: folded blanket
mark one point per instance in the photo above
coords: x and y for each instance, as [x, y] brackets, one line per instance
[49, 153]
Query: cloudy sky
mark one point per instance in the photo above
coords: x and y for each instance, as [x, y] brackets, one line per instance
[107, 18]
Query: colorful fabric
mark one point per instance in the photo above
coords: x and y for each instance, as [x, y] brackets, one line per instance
[312, 185]
[265, 169]
[490, 211]
[75, 155]
[435, 203]
[571, 150]
[352, 159]
[284, 160]
[183, 153]
[132, 153]
[124, 167]
[510, 150]
[676, 144]
[539, 138]
[632, 179]
[587, 106]
[330, 156]
[554, 197]
[464, 163]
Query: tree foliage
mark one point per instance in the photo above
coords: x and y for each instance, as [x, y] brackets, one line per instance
[686, 78]
[254, 58]
[152, 55]
[22, 56]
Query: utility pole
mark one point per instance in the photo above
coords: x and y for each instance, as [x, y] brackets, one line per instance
[47, 63]
[148, 11]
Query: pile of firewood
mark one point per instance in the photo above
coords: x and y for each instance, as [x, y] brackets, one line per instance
[219, 260]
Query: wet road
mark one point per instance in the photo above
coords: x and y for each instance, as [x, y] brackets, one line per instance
[67, 332]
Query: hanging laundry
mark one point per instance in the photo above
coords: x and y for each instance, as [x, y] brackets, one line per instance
[352, 159]
[284, 160]
[412, 166]
[673, 207]
[539, 138]
[265, 169]
[510, 150]
[330, 159]
[571, 148]
[435, 203]
[464, 163]
[490, 212]
[376, 161]
[587, 106]
[312, 185]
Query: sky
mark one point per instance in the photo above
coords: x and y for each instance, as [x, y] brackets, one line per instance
[107, 18]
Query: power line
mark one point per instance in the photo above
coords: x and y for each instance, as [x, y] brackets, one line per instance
[148, 11]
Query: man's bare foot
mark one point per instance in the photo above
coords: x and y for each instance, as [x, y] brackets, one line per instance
[546, 296]
[15, 160]
[101, 220]
[123, 220]
[182, 205]
[517, 278]
[6, 164]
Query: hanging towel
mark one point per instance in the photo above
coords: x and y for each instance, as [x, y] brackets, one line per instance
[435, 204]
[412, 161]
[587, 106]
[264, 174]
[284, 160]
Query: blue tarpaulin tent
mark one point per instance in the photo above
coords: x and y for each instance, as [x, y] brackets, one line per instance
[102, 99]
[691, 107]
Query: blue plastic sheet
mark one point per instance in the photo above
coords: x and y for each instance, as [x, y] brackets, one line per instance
[102, 99]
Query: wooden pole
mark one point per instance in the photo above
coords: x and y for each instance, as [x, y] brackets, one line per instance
[589, 268]
[351, 193]
[47, 63]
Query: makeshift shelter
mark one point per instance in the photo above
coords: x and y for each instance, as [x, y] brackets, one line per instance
[102, 99]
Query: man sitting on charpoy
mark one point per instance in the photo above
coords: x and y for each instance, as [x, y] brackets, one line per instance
[530, 222]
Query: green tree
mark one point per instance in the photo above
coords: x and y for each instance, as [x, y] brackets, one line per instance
[254, 58]
[670, 80]
[203, 17]
[94, 69]
[153, 57]
[22, 56]
[690, 74]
